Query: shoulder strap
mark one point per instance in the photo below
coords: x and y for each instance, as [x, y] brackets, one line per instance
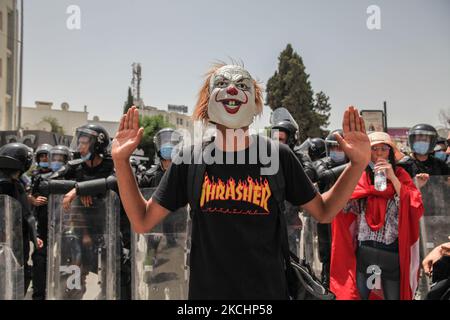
[196, 172]
[276, 181]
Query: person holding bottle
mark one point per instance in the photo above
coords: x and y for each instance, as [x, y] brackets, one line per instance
[375, 241]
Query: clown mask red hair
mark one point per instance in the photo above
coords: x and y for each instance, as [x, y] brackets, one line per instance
[229, 97]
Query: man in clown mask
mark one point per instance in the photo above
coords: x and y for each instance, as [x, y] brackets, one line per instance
[236, 250]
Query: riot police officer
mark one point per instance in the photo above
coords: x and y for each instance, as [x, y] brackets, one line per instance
[421, 163]
[328, 171]
[15, 159]
[58, 157]
[165, 140]
[92, 169]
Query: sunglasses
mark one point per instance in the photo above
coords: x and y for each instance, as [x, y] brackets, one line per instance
[382, 148]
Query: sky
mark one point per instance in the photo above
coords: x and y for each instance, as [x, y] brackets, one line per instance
[405, 63]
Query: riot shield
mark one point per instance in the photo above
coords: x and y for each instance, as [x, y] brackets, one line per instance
[159, 260]
[11, 249]
[83, 249]
[309, 243]
[435, 224]
[294, 227]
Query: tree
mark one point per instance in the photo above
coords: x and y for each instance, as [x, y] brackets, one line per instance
[151, 126]
[56, 128]
[130, 101]
[290, 87]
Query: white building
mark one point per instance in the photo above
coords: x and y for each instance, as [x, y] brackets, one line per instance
[8, 64]
[110, 126]
[179, 120]
[35, 118]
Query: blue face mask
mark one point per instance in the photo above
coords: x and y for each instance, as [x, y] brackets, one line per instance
[56, 165]
[166, 152]
[86, 157]
[421, 147]
[441, 155]
[43, 164]
[337, 156]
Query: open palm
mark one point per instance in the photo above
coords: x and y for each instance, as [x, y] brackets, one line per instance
[355, 143]
[128, 136]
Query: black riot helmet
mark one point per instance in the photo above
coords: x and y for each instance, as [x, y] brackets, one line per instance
[16, 156]
[90, 140]
[62, 150]
[316, 148]
[42, 149]
[165, 141]
[422, 138]
[281, 119]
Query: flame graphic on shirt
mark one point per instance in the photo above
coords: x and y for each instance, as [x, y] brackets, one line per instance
[250, 191]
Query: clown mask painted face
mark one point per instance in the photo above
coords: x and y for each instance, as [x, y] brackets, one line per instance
[232, 97]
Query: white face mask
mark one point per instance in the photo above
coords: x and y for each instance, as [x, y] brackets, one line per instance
[232, 97]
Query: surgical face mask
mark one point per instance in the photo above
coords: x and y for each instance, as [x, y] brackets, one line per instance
[421, 147]
[232, 97]
[56, 165]
[43, 164]
[166, 152]
[86, 157]
[441, 155]
[337, 156]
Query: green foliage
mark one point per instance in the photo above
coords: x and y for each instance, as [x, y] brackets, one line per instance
[290, 88]
[56, 128]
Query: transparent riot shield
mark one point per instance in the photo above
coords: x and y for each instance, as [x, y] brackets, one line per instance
[294, 227]
[159, 259]
[11, 249]
[435, 224]
[309, 243]
[83, 249]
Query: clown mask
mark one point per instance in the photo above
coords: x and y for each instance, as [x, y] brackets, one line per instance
[232, 97]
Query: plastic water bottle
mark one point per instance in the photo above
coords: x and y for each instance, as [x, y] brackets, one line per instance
[380, 180]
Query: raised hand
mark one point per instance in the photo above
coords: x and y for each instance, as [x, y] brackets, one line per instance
[355, 142]
[128, 137]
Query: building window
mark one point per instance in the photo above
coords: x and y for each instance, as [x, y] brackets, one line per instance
[1, 67]
[181, 121]
[1, 21]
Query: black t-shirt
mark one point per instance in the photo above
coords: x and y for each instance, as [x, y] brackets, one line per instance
[236, 249]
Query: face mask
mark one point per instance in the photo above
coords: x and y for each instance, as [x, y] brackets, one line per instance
[166, 152]
[337, 156]
[56, 165]
[86, 157]
[441, 155]
[43, 164]
[421, 147]
[232, 97]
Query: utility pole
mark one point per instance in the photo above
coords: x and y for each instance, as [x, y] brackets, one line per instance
[136, 85]
[19, 117]
[385, 116]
